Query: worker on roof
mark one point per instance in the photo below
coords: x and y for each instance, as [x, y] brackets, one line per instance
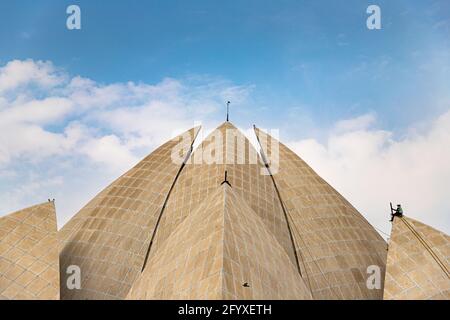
[396, 212]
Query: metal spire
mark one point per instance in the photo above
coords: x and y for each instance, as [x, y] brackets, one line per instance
[226, 179]
[228, 111]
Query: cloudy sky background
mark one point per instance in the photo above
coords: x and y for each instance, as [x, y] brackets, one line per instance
[369, 110]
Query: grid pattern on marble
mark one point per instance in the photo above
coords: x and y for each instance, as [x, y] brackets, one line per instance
[199, 179]
[437, 240]
[254, 257]
[221, 245]
[189, 264]
[29, 264]
[333, 240]
[411, 271]
[108, 239]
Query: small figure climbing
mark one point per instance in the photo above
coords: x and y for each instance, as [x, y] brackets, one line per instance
[396, 212]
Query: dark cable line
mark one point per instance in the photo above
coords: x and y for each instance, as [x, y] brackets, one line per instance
[287, 215]
[281, 202]
[427, 246]
[167, 200]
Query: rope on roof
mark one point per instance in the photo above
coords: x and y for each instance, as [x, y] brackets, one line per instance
[427, 246]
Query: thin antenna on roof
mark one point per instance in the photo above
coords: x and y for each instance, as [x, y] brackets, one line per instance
[228, 111]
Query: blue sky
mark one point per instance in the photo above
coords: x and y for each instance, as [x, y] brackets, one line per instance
[314, 55]
[300, 66]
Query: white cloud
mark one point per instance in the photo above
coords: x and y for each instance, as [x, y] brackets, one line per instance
[371, 167]
[111, 151]
[54, 127]
[359, 123]
[32, 188]
[36, 111]
[31, 141]
[71, 137]
[20, 73]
